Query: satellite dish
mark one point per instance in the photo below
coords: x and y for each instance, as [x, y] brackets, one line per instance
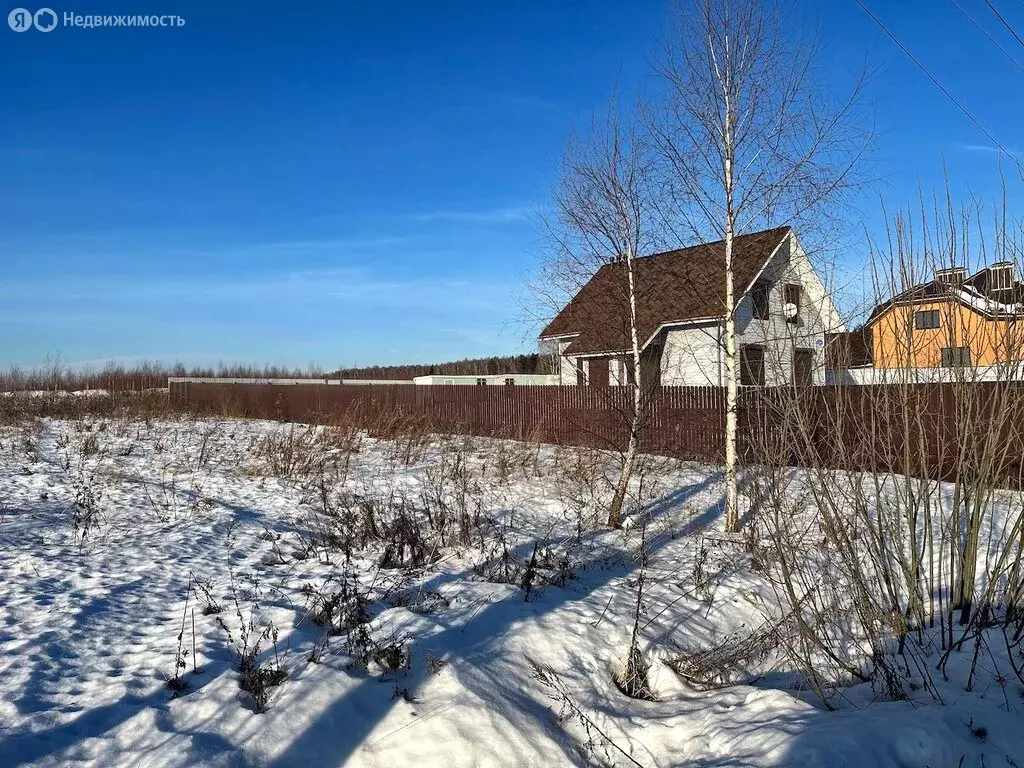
[790, 310]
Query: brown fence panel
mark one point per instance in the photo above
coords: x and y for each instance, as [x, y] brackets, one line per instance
[930, 430]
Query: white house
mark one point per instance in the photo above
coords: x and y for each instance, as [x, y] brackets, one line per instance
[782, 315]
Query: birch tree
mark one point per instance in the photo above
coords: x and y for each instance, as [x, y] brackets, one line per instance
[747, 140]
[603, 218]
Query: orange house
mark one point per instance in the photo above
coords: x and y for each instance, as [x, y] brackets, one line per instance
[952, 321]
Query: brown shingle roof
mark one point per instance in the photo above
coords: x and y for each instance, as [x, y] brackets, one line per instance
[675, 286]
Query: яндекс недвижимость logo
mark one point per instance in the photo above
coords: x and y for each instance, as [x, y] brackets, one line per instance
[46, 20]
[22, 19]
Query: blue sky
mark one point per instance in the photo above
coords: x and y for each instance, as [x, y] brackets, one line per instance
[357, 183]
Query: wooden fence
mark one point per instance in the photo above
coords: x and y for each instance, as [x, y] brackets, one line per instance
[684, 421]
[940, 431]
[932, 430]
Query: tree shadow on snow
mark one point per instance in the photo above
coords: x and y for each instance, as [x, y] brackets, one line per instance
[335, 734]
[62, 660]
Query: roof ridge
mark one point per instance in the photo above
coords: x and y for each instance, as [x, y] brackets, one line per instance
[719, 242]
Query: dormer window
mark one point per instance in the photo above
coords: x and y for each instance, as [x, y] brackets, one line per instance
[952, 276]
[1000, 276]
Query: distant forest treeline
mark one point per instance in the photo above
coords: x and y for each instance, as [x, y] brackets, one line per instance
[119, 378]
[480, 366]
[115, 377]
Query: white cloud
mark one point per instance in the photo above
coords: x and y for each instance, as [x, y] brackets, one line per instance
[990, 149]
[491, 216]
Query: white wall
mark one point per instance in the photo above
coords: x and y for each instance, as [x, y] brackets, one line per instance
[692, 356]
[460, 380]
[817, 317]
[617, 372]
[867, 375]
[567, 364]
[522, 379]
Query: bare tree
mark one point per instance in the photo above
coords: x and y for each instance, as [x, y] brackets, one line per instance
[747, 141]
[896, 531]
[603, 224]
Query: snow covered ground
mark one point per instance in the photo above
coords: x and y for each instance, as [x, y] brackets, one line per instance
[125, 545]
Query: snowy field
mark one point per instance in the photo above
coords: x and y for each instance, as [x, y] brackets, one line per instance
[151, 570]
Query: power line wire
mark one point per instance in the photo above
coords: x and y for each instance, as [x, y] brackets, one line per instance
[939, 85]
[987, 34]
[1006, 24]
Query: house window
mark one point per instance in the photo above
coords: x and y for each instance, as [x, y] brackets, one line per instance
[759, 299]
[449, 381]
[752, 365]
[792, 293]
[926, 319]
[510, 382]
[956, 357]
[481, 382]
[1001, 277]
